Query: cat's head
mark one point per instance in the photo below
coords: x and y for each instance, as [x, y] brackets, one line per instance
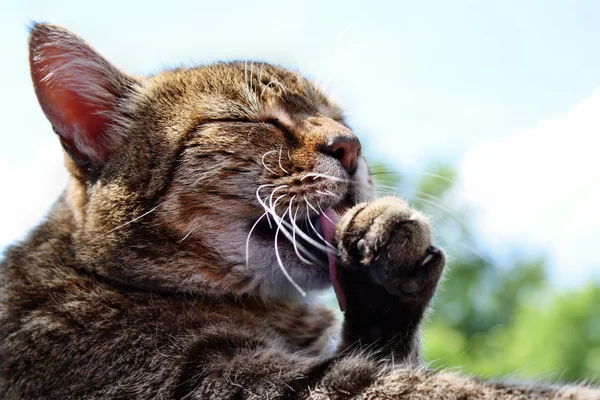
[171, 173]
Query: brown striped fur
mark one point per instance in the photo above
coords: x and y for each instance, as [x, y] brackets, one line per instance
[136, 285]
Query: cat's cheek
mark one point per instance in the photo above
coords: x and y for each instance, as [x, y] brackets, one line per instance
[267, 277]
[307, 277]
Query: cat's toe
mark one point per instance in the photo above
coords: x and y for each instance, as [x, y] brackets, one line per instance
[423, 277]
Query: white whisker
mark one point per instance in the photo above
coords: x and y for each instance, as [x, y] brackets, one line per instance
[311, 206]
[307, 238]
[326, 193]
[285, 272]
[315, 230]
[431, 174]
[269, 221]
[272, 207]
[431, 200]
[265, 165]
[294, 235]
[278, 221]
[261, 203]
[323, 213]
[250, 234]
[187, 235]
[317, 175]
[287, 234]
[274, 83]
[277, 218]
[438, 203]
[133, 220]
[280, 166]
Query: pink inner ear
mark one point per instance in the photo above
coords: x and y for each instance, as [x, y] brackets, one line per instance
[75, 114]
[79, 122]
[78, 90]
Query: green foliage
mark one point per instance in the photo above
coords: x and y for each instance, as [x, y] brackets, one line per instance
[549, 335]
[491, 319]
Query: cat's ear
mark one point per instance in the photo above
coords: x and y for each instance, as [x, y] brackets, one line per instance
[79, 91]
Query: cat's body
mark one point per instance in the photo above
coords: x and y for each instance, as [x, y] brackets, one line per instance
[203, 204]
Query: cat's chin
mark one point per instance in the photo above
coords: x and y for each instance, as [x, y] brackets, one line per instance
[296, 258]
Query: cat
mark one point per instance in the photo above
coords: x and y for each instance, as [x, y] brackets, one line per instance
[206, 207]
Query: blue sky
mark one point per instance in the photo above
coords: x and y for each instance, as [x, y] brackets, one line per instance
[505, 89]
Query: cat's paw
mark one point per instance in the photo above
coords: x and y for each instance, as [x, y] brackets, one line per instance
[389, 244]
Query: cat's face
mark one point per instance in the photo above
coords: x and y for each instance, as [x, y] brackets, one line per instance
[198, 179]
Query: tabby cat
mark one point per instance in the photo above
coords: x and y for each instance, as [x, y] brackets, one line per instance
[206, 208]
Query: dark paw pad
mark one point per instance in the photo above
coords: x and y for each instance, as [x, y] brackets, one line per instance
[421, 279]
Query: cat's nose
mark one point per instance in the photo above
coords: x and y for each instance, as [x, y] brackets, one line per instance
[344, 148]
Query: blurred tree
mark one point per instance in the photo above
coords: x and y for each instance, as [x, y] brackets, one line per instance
[492, 319]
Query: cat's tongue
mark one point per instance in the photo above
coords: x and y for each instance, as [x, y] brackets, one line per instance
[328, 220]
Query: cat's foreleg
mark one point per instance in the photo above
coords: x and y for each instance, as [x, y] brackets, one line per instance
[388, 271]
[412, 383]
[240, 367]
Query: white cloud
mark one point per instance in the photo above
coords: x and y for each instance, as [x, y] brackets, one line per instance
[541, 187]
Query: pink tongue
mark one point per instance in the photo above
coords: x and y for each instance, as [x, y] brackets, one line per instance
[328, 221]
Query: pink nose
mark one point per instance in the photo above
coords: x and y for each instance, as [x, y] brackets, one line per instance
[345, 149]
